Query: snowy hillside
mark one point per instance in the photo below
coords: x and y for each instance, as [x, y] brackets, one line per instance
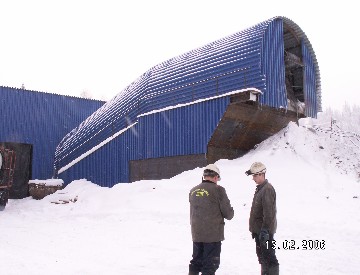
[143, 227]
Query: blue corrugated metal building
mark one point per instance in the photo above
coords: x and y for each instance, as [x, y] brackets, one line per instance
[40, 120]
[172, 113]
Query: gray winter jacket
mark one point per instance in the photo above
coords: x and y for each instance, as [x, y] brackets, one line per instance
[209, 205]
[263, 209]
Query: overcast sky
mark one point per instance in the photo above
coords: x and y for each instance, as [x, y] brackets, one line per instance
[71, 46]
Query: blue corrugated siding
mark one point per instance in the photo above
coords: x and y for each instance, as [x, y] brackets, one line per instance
[107, 166]
[251, 58]
[228, 64]
[40, 119]
[179, 131]
[273, 66]
[115, 115]
[225, 65]
[309, 83]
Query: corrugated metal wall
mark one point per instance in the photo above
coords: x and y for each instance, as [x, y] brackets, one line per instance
[112, 117]
[311, 98]
[251, 58]
[178, 131]
[273, 66]
[225, 65]
[40, 119]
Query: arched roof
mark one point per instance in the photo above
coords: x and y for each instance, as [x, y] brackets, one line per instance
[224, 65]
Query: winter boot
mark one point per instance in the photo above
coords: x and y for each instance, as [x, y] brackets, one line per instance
[193, 273]
[273, 270]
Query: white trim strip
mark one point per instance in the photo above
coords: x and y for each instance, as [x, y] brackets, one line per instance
[92, 150]
[257, 91]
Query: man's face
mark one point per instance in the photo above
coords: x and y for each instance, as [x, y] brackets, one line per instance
[259, 178]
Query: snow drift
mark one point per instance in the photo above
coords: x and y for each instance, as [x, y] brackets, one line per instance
[143, 227]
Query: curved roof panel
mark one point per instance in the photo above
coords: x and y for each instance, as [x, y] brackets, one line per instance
[225, 65]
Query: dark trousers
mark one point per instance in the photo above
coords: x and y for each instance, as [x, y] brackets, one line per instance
[205, 258]
[265, 252]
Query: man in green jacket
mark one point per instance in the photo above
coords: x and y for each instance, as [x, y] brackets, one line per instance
[209, 205]
[262, 222]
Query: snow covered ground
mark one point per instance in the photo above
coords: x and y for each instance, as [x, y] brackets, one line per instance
[143, 227]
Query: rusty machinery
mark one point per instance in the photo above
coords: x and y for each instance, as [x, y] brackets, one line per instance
[7, 167]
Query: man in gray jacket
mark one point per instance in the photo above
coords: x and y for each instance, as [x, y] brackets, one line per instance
[262, 222]
[209, 205]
